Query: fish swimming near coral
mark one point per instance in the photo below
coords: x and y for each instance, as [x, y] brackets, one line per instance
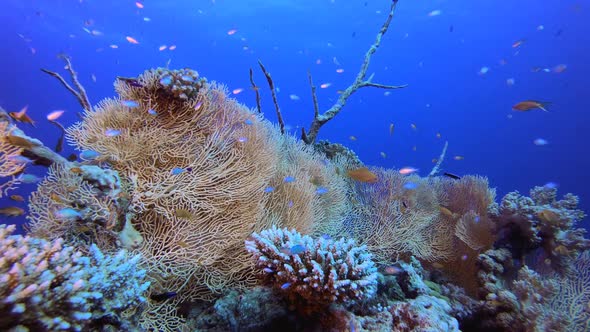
[60, 141]
[17, 198]
[362, 175]
[529, 105]
[452, 176]
[12, 211]
[163, 296]
[21, 116]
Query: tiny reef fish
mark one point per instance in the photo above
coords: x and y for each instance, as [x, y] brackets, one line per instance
[528, 105]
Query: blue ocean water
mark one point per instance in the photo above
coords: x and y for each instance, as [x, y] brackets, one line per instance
[439, 48]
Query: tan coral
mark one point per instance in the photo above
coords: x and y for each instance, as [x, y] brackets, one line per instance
[395, 222]
[194, 220]
[8, 151]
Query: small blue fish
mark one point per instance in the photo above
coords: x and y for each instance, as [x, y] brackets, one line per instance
[269, 189]
[476, 219]
[152, 112]
[268, 270]
[285, 285]
[166, 80]
[112, 132]
[290, 204]
[289, 179]
[326, 237]
[89, 155]
[198, 105]
[187, 78]
[410, 186]
[68, 213]
[243, 139]
[297, 249]
[176, 170]
[28, 178]
[248, 122]
[130, 103]
[321, 190]
[550, 185]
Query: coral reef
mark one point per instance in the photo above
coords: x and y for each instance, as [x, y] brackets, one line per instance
[524, 305]
[50, 286]
[542, 222]
[252, 310]
[425, 313]
[395, 222]
[9, 153]
[314, 272]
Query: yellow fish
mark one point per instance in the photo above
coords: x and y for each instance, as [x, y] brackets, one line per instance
[17, 198]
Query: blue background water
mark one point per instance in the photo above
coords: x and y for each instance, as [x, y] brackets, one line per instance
[438, 56]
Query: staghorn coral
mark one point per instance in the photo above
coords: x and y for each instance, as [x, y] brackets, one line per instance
[50, 286]
[324, 272]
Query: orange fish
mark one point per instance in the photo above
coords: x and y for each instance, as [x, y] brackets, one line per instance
[407, 170]
[363, 175]
[17, 198]
[12, 211]
[518, 43]
[21, 116]
[132, 40]
[528, 105]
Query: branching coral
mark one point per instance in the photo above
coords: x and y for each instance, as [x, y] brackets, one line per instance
[524, 305]
[314, 272]
[545, 223]
[49, 286]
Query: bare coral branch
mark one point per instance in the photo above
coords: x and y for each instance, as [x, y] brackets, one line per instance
[319, 120]
[255, 88]
[80, 94]
[436, 168]
[274, 96]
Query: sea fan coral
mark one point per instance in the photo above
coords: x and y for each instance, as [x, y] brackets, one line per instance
[314, 272]
[50, 286]
[398, 217]
[9, 153]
